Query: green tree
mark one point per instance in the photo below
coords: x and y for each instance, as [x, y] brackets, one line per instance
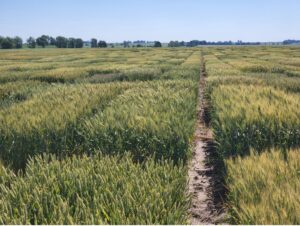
[31, 42]
[78, 43]
[157, 44]
[71, 42]
[18, 42]
[47, 37]
[7, 43]
[93, 43]
[1, 39]
[102, 44]
[51, 41]
[171, 44]
[61, 42]
[42, 41]
[126, 44]
[176, 44]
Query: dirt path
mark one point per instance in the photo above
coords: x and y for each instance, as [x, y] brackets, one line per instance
[206, 208]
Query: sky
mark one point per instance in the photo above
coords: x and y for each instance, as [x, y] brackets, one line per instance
[163, 20]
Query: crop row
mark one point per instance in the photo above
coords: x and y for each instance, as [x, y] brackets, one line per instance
[97, 190]
[46, 121]
[59, 65]
[256, 117]
[92, 153]
[264, 189]
[154, 119]
[16, 92]
[144, 118]
[254, 108]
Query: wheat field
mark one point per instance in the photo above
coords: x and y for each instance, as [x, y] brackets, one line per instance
[104, 136]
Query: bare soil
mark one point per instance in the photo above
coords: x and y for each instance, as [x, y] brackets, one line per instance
[206, 185]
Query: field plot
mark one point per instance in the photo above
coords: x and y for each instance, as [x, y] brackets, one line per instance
[102, 136]
[101, 190]
[255, 108]
[54, 65]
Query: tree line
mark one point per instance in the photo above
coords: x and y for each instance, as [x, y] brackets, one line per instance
[291, 42]
[11, 43]
[194, 43]
[42, 41]
[63, 42]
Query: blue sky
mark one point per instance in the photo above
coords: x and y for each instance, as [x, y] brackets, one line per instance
[164, 20]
